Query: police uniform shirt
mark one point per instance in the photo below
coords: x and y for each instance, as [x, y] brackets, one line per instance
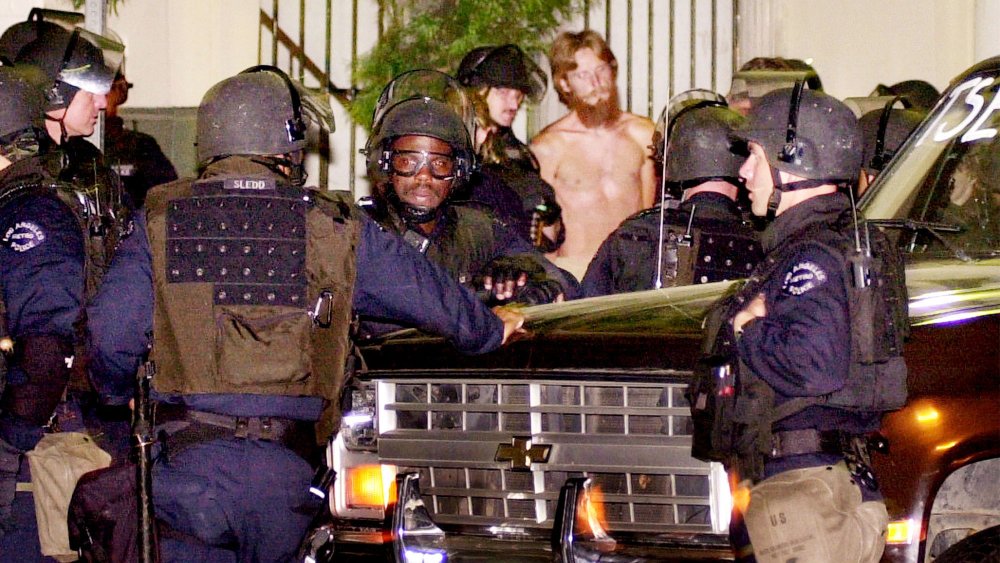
[802, 347]
[41, 257]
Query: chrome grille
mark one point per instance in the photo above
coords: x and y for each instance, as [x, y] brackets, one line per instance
[632, 437]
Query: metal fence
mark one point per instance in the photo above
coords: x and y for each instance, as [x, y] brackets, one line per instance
[663, 47]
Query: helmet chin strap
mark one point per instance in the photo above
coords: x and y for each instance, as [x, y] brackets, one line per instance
[412, 214]
[63, 135]
[780, 187]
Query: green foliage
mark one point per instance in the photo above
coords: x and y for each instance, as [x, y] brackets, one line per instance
[438, 33]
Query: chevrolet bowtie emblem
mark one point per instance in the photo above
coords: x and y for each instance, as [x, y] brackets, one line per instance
[521, 453]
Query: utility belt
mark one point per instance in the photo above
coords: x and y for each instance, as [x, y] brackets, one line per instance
[298, 436]
[808, 441]
[854, 448]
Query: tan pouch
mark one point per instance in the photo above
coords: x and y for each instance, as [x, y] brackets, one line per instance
[57, 462]
[814, 515]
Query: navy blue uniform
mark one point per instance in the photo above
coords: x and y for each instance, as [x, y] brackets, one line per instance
[726, 248]
[802, 347]
[232, 499]
[467, 241]
[44, 282]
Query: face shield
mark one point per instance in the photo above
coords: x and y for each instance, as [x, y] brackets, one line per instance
[681, 103]
[749, 86]
[429, 84]
[91, 62]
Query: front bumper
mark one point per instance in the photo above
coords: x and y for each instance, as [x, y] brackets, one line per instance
[409, 535]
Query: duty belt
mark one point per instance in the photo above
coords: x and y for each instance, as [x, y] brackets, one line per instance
[202, 426]
[808, 441]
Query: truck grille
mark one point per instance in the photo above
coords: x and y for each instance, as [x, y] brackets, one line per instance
[468, 440]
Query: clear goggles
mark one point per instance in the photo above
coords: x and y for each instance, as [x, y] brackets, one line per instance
[408, 163]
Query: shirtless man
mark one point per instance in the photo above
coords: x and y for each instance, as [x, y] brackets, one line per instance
[596, 157]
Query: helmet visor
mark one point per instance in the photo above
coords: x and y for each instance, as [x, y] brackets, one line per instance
[427, 84]
[315, 106]
[91, 62]
[751, 85]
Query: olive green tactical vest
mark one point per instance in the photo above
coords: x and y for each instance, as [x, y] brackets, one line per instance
[253, 286]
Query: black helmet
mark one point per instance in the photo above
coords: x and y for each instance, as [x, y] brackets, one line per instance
[679, 104]
[260, 111]
[73, 60]
[15, 37]
[22, 108]
[699, 147]
[883, 131]
[806, 133]
[506, 66]
[422, 102]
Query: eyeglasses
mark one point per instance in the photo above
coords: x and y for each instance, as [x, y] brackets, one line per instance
[408, 163]
[604, 72]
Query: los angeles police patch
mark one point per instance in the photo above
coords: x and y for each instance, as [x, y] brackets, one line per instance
[803, 277]
[23, 236]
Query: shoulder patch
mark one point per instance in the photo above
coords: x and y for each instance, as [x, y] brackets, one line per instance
[22, 236]
[803, 277]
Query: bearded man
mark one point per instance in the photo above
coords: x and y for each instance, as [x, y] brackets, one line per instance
[596, 157]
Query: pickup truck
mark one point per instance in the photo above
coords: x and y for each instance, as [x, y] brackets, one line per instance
[572, 443]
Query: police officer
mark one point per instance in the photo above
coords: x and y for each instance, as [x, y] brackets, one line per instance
[81, 67]
[499, 79]
[76, 290]
[257, 279]
[818, 331]
[419, 152]
[698, 234]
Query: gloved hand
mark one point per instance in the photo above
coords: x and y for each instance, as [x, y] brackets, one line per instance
[503, 280]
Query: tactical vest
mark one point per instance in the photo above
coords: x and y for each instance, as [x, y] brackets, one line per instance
[734, 411]
[711, 250]
[254, 283]
[706, 253]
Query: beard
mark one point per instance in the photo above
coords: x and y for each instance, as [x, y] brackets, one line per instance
[598, 112]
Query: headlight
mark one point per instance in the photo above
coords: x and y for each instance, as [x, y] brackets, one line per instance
[358, 426]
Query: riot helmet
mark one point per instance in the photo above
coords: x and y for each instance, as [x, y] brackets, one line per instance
[40, 20]
[22, 107]
[681, 103]
[699, 148]
[422, 102]
[73, 60]
[883, 131]
[806, 133]
[504, 66]
[260, 112]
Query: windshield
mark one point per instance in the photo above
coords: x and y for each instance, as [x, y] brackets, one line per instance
[946, 177]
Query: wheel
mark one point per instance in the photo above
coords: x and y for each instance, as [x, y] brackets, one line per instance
[981, 547]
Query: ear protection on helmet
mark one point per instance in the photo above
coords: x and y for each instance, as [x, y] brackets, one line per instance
[296, 126]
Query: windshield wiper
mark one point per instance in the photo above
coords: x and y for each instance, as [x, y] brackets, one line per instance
[935, 229]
